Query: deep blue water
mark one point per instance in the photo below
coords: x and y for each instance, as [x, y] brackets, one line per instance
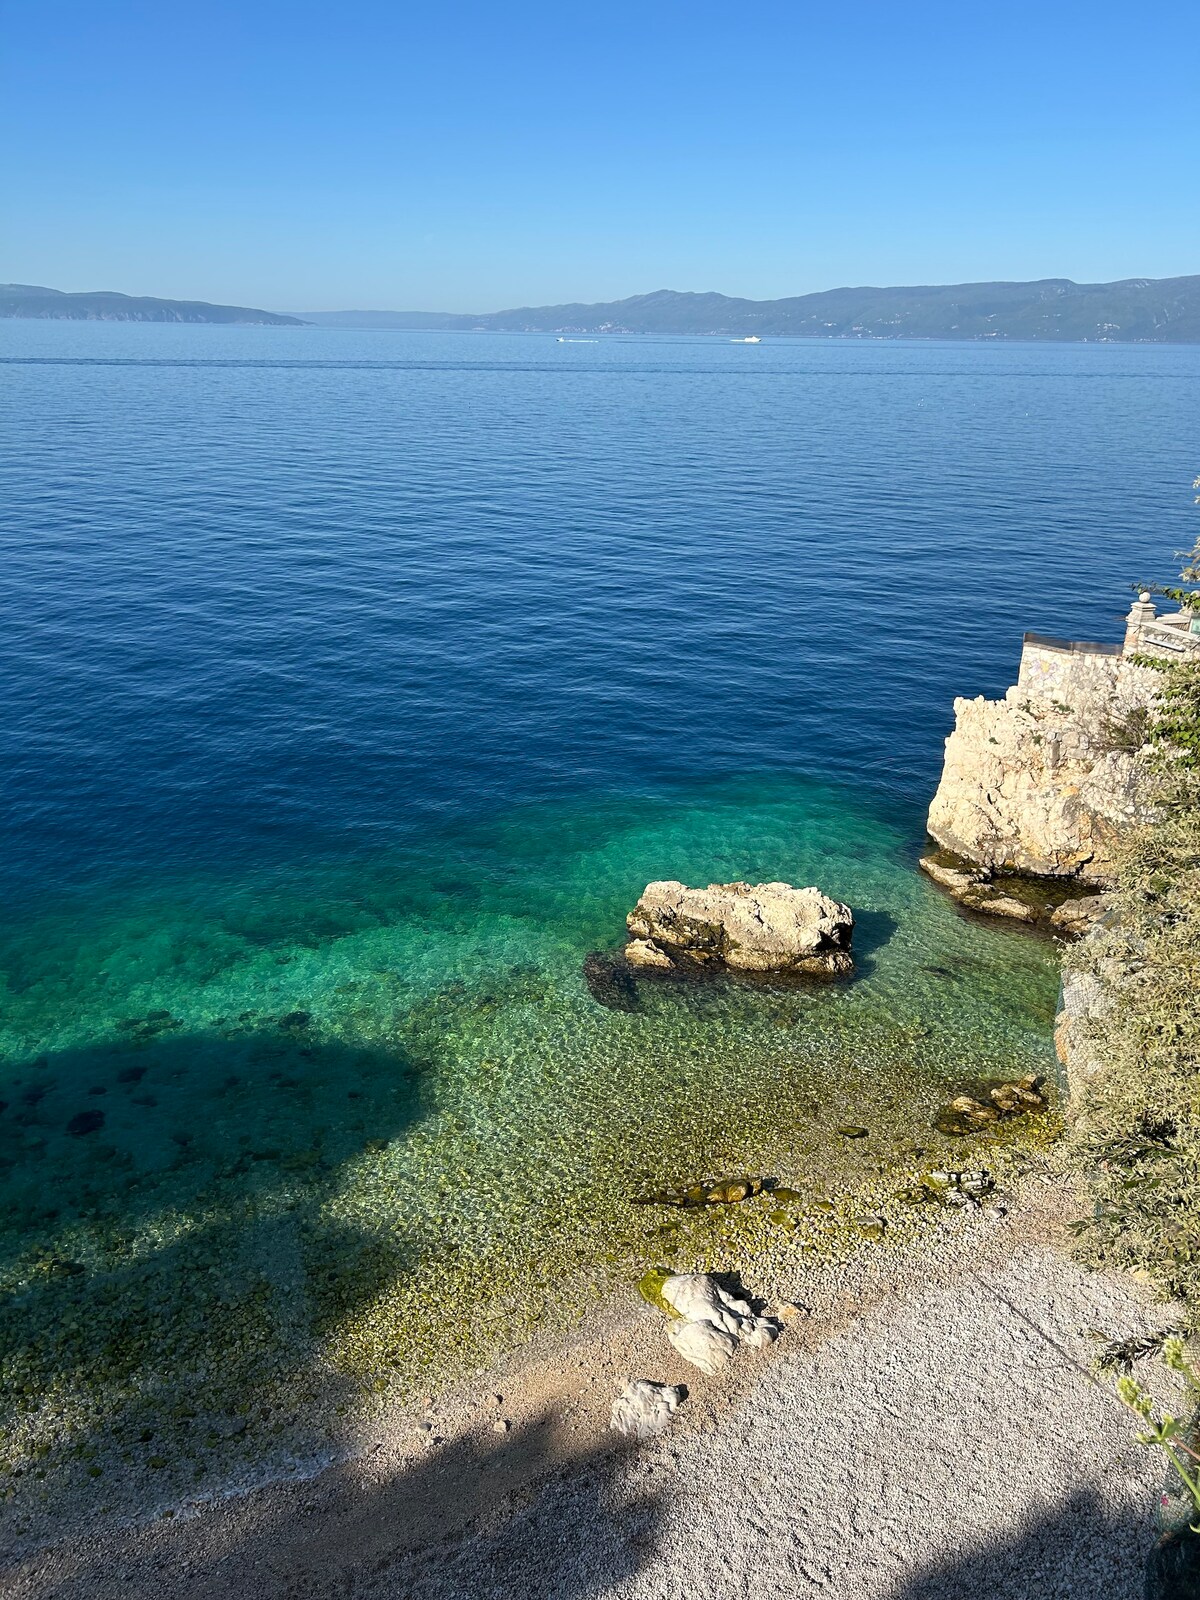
[270, 592]
[353, 686]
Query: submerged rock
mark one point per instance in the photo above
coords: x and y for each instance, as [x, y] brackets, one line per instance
[710, 1192]
[949, 1189]
[766, 927]
[973, 886]
[85, 1122]
[959, 876]
[1023, 1095]
[965, 1114]
[643, 1409]
[610, 982]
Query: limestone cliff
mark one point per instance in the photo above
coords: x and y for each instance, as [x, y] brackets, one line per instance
[1046, 780]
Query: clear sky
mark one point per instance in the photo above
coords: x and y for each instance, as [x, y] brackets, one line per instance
[464, 156]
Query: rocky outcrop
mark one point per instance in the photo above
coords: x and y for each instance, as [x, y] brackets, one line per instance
[1082, 1005]
[765, 927]
[1077, 916]
[974, 887]
[1046, 780]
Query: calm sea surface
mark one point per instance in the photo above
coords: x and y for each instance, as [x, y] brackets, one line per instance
[354, 684]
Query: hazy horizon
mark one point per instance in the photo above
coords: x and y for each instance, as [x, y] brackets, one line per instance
[364, 309]
[476, 161]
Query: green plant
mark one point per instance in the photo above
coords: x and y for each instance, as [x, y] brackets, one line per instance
[1136, 1133]
[1163, 1430]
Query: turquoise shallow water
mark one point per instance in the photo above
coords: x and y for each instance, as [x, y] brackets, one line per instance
[328, 1120]
[356, 688]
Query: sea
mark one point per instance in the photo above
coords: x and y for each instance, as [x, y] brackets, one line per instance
[354, 685]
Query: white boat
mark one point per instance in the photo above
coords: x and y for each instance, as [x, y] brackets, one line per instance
[751, 338]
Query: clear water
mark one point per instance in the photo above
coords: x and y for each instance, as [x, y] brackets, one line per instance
[354, 686]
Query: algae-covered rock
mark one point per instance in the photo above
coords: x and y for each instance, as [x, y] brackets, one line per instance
[1012, 1098]
[709, 1192]
[766, 927]
[966, 1114]
[951, 1188]
[650, 1287]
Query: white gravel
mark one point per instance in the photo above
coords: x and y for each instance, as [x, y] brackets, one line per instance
[929, 1433]
[945, 1448]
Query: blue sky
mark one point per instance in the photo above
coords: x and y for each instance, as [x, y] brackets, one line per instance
[472, 157]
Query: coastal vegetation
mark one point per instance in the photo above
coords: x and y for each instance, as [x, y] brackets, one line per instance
[1138, 1125]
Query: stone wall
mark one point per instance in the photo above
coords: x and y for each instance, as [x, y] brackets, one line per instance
[1049, 669]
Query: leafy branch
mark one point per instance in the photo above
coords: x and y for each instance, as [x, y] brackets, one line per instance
[1164, 1430]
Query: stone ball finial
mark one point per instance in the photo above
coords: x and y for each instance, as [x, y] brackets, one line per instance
[1144, 597]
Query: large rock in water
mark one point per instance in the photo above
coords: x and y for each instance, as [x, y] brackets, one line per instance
[762, 927]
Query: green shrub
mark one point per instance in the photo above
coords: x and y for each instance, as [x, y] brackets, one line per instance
[1137, 1126]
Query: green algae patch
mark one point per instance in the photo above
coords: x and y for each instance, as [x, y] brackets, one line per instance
[650, 1287]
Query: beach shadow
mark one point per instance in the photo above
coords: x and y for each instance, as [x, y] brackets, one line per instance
[172, 1246]
[477, 1518]
[1077, 1548]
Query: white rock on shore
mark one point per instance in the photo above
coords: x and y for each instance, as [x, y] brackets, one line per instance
[712, 1324]
[765, 927]
[644, 1408]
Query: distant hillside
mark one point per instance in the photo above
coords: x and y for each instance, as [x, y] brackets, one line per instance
[105, 305]
[1156, 310]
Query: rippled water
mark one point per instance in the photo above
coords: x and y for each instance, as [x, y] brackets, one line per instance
[354, 686]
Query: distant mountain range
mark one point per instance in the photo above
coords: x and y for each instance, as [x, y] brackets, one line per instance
[1137, 310]
[1157, 310]
[105, 305]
